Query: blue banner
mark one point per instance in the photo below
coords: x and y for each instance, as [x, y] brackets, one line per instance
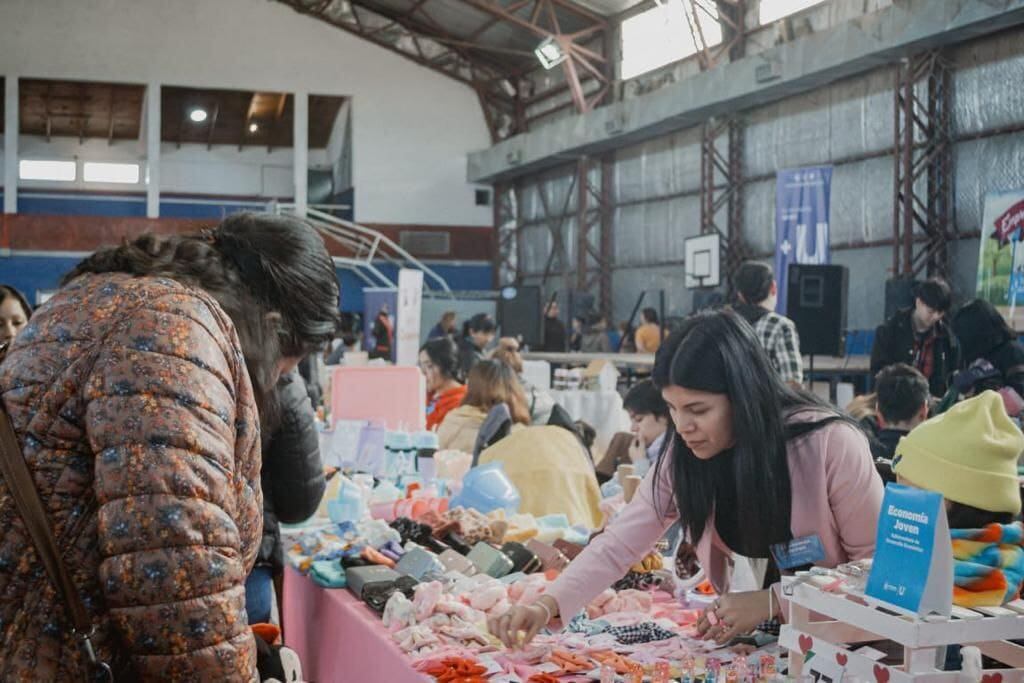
[801, 221]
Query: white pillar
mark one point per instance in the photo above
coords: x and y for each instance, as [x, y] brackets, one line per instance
[153, 150]
[11, 144]
[300, 150]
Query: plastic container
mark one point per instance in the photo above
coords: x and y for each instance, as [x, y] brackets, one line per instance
[426, 445]
[348, 505]
[399, 454]
[486, 488]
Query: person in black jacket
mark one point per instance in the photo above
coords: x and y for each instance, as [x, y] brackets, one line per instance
[477, 333]
[920, 337]
[293, 483]
[554, 330]
[984, 334]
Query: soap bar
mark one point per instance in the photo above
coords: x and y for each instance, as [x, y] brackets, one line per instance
[489, 560]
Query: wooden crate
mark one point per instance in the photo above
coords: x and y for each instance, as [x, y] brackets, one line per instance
[825, 629]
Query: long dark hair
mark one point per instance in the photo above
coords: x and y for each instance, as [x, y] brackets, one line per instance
[8, 291]
[980, 329]
[271, 274]
[444, 355]
[718, 351]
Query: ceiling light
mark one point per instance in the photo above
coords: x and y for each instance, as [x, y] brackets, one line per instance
[197, 115]
[549, 53]
[253, 127]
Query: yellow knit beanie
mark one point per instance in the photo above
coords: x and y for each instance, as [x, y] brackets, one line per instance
[968, 454]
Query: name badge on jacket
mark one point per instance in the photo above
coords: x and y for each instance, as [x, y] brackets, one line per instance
[799, 552]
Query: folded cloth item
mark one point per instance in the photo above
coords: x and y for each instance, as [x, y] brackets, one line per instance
[646, 632]
[475, 527]
[399, 612]
[988, 564]
[639, 581]
[376, 532]
[589, 627]
[328, 574]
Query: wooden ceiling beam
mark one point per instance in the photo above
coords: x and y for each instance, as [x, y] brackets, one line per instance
[213, 125]
[110, 113]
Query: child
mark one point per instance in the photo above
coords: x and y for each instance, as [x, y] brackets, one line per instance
[969, 455]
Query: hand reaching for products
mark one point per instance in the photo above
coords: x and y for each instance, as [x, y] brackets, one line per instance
[525, 619]
[732, 615]
[637, 452]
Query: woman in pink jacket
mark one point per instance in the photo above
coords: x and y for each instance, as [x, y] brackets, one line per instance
[753, 470]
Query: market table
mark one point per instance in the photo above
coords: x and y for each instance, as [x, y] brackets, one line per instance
[338, 638]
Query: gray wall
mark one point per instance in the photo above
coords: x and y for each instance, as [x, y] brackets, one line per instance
[656, 182]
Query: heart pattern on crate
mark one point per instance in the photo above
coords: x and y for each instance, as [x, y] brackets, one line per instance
[881, 674]
[992, 678]
[806, 643]
[841, 658]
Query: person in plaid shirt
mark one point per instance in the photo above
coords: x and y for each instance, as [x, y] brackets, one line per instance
[758, 293]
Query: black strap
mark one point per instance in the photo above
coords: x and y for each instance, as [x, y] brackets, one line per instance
[21, 486]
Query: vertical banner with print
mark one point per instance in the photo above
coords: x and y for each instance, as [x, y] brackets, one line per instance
[1001, 255]
[410, 306]
[801, 221]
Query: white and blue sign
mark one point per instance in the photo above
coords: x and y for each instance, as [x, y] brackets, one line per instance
[913, 567]
[802, 197]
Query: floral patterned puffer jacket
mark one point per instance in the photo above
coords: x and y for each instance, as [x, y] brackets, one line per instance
[134, 410]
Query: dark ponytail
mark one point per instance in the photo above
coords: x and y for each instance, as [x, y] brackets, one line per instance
[271, 274]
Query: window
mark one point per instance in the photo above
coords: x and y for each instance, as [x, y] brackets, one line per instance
[773, 10]
[661, 35]
[41, 169]
[105, 172]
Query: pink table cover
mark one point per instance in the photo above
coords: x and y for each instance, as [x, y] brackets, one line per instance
[338, 638]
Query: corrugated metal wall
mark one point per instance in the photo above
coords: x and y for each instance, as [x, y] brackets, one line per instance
[849, 124]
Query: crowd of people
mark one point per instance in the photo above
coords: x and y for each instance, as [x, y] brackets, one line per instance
[157, 401]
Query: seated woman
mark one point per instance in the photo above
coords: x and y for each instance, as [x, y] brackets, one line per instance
[540, 402]
[490, 383]
[969, 455]
[751, 464]
[552, 471]
[439, 363]
[984, 335]
[14, 313]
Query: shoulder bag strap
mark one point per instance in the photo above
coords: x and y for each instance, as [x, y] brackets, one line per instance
[23, 491]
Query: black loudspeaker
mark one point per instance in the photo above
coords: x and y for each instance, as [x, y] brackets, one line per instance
[519, 314]
[899, 293]
[816, 302]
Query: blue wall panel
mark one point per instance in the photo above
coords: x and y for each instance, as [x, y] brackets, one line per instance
[33, 273]
[77, 206]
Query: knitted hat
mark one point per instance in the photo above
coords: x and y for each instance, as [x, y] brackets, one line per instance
[968, 454]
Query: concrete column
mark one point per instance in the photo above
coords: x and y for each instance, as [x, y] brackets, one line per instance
[153, 150]
[11, 144]
[300, 150]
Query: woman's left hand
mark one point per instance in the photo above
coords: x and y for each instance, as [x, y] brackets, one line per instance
[733, 614]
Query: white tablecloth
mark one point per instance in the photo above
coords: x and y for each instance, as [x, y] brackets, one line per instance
[602, 410]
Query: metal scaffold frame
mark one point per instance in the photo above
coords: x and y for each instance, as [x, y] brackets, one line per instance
[923, 182]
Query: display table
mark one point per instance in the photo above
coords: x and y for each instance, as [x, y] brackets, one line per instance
[338, 638]
[602, 410]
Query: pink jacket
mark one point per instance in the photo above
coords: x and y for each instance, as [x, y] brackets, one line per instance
[837, 494]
